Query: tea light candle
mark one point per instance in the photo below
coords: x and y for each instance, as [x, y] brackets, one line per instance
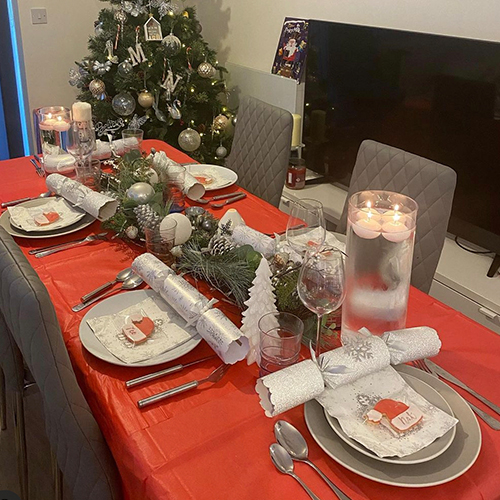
[390, 214]
[395, 230]
[61, 125]
[368, 212]
[367, 228]
[82, 112]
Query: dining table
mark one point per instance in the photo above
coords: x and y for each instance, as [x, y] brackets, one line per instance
[213, 443]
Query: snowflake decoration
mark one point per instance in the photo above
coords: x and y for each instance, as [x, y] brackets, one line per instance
[365, 400]
[359, 350]
[158, 322]
[225, 229]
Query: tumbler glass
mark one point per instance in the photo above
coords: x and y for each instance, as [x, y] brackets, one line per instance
[174, 188]
[160, 243]
[280, 341]
[132, 139]
[89, 174]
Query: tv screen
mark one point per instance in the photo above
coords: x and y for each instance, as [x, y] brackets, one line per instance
[431, 95]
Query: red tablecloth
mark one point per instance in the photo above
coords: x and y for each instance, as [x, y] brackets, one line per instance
[213, 443]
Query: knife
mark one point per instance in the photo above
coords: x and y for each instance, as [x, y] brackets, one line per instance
[454, 380]
[167, 371]
[230, 200]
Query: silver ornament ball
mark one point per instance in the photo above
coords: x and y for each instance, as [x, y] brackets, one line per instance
[97, 87]
[125, 69]
[171, 45]
[189, 140]
[123, 104]
[206, 70]
[120, 16]
[221, 152]
[234, 120]
[132, 232]
[220, 122]
[206, 225]
[140, 192]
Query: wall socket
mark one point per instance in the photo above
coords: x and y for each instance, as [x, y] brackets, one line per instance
[38, 16]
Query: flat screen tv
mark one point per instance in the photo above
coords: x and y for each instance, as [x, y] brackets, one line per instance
[434, 96]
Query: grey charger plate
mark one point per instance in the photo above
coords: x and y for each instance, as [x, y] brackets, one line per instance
[454, 462]
[85, 221]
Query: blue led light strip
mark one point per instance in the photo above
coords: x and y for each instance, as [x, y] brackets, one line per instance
[19, 81]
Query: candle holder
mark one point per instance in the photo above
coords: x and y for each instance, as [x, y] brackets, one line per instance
[380, 241]
[52, 124]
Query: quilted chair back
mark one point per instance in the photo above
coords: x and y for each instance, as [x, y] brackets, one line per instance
[75, 437]
[430, 184]
[261, 148]
[11, 361]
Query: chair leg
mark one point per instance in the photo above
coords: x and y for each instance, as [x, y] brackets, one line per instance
[58, 479]
[3, 402]
[22, 456]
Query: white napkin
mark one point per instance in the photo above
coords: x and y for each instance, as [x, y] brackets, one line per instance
[350, 403]
[96, 204]
[167, 335]
[23, 217]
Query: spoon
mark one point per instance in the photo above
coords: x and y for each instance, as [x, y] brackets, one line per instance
[22, 200]
[129, 284]
[283, 462]
[294, 443]
[120, 277]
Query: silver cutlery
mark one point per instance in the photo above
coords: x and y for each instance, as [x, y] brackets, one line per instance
[296, 446]
[120, 277]
[129, 284]
[218, 197]
[454, 380]
[66, 246]
[167, 371]
[80, 240]
[22, 200]
[39, 170]
[213, 378]
[283, 462]
[491, 421]
[230, 200]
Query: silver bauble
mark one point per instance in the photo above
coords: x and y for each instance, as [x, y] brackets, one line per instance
[123, 104]
[120, 16]
[220, 122]
[132, 232]
[171, 45]
[221, 152]
[145, 99]
[189, 140]
[98, 29]
[140, 192]
[125, 68]
[97, 87]
[234, 119]
[206, 70]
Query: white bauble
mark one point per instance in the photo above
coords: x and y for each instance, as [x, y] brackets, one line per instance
[140, 192]
[132, 232]
[183, 230]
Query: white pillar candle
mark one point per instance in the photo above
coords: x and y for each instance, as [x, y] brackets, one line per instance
[297, 129]
[82, 112]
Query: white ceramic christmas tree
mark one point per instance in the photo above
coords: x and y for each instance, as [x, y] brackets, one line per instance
[260, 302]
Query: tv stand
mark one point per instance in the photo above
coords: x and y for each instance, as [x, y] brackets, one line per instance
[495, 266]
[460, 280]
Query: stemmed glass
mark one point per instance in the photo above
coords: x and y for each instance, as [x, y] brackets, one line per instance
[81, 143]
[305, 230]
[321, 284]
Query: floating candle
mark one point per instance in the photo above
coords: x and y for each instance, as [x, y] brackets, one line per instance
[367, 228]
[395, 230]
[61, 125]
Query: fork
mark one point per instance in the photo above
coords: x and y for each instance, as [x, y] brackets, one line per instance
[491, 421]
[66, 246]
[214, 377]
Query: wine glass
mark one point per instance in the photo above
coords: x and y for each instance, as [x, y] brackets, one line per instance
[321, 284]
[81, 143]
[305, 230]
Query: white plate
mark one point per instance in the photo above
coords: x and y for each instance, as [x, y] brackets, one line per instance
[222, 176]
[85, 221]
[454, 462]
[116, 304]
[430, 452]
[60, 224]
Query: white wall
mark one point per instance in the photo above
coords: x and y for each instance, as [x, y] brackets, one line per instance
[50, 50]
[246, 32]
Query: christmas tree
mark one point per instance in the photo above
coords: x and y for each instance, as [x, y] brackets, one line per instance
[261, 301]
[150, 68]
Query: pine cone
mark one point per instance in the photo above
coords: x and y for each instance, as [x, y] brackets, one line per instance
[219, 245]
[146, 217]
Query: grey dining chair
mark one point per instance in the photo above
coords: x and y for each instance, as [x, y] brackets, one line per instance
[430, 184]
[75, 438]
[261, 148]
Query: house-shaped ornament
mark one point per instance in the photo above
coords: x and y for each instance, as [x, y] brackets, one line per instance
[152, 30]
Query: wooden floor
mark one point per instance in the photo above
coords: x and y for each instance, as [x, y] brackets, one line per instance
[39, 457]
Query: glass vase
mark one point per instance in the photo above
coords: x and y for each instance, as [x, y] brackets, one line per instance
[380, 241]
